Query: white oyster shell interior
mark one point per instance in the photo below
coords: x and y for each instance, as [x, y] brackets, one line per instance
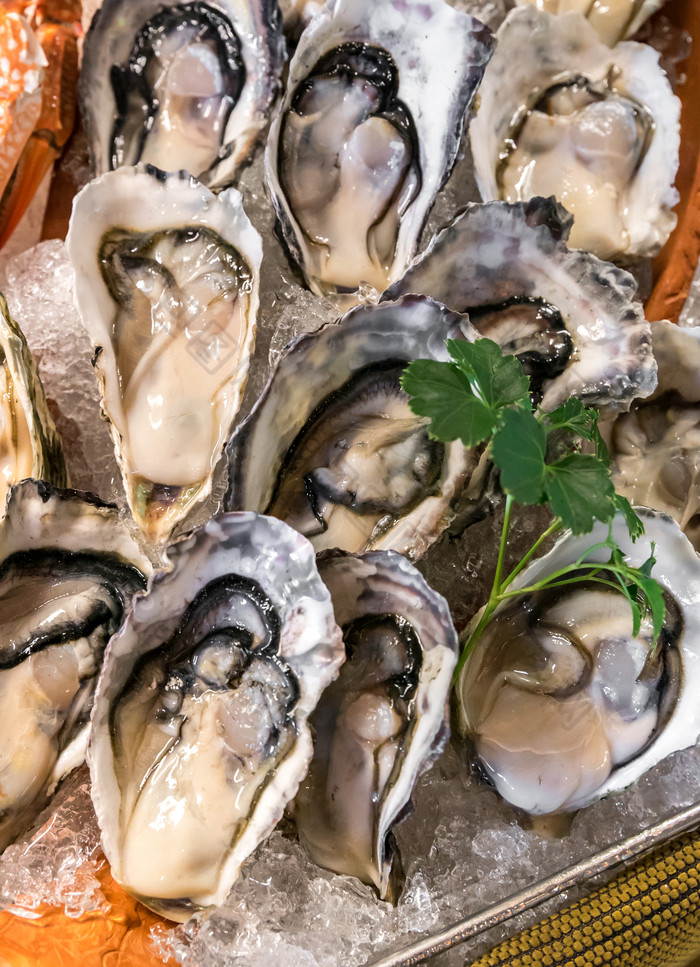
[613, 20]
[200, 735]
[382, 722]
[167, 287]
[368, 132]
[563, 702]
[598, 128]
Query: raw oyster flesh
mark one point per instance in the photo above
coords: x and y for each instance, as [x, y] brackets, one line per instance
[368, 132]
[382, 722]
[200, 734]
[598, 128]
[332, 446]
[563, 703]
[613, 20]
[29, 443]
[572, 320]
[68, 569]
[656, 446]
[167, 288]
[180, 85]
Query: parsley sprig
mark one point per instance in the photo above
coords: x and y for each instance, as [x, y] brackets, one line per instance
[482, 396]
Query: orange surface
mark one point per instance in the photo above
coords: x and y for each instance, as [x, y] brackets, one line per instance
[121, 938]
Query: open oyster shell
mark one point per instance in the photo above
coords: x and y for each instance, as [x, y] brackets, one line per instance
[572, 320]
[332, 447]
[68, 567]
[656, 446]
[382, 722]
[368, 132]
[613, 20]
[562, 702]
[29, 442]
[180, 85]
[199, 733]
[598, 128]
[167, 288]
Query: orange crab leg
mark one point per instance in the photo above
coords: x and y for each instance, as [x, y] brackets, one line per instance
[56, 27]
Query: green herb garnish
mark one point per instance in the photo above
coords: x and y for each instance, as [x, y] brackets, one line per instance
[482, 396]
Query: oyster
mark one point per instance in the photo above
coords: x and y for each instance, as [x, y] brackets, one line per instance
[599, 128]
[368, 132]
[332, 447]
[656, 446]
[68, 567]
[167, 288]
[613, 20]
[180, 85]
[382, 722]
[563, 702]
[200, 734]
[571, 319]
[29, 443]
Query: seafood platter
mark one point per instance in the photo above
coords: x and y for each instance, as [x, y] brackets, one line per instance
[286, 673]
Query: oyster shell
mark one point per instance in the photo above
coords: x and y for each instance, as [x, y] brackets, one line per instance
[332, 447]
[599, 128]
[656, 446]
[199, 732]
[382, 722]
[67, 569]
[613, 20]
[563, 703]
[167, 288]
[572, 320]
[180, 85]
[29, 443]
[368, 132]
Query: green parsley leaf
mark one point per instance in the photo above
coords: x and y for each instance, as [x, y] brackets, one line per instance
[442, 392]
[632, 519]
[572, 416]
[580, 491]
[518, 450]
[496, 379]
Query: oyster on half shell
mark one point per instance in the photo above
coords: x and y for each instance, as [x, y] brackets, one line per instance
[167, 288]
[382, 722]
[613, 20]
[368, 132]
[68, 567]
[29, 442]
[180, 85]
[598, 128]
[655, 448]
[572, 320]
[332, 446]
[199, 733]
[562, 701]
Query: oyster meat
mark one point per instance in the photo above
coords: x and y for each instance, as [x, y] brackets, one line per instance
[332, 447]
[167, 288]
[656, 446]
[382, 722]
[180, 85]
[563, 702]
[613, 20]
[200, 734]
[572, 320]
[29, 443]
[599, 128]
[368, 132]
[68, 568]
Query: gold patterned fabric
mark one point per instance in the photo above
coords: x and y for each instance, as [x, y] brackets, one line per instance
[648, 916]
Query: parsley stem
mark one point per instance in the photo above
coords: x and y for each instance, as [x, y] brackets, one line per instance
[496, 588]
[555, 526]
